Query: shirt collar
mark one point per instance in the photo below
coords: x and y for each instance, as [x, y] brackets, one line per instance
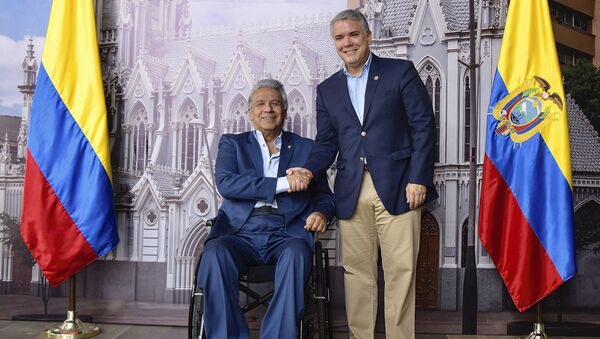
[365, 68]
[259, 137]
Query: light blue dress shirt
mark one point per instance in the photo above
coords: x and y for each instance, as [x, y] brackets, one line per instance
[357, 86]
[270, 166]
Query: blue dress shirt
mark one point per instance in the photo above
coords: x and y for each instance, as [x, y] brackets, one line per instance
[270, 166]
[357, 86]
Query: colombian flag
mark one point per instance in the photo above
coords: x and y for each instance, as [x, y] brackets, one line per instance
[526, 207]
[68, 215]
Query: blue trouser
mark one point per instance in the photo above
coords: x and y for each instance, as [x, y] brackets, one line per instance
[261, 241]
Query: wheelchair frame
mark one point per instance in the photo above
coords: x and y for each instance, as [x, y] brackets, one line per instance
[316, 296]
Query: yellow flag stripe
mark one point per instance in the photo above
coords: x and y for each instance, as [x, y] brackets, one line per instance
[532, 51]
[72, 61]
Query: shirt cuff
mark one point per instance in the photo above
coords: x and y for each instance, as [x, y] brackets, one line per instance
[282, 185]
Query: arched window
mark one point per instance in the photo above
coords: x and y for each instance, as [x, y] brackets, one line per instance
[296, 121]
[430, 76]
[587, 230]
[467, 141]
[299, 125]
[190, 134]
[243, 124]
[234, 125]
[140, 140]
[239, 115]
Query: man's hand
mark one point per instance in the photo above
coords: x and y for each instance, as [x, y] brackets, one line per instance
[297, 182]
[298, 178]
[415, 195]
[316, 222]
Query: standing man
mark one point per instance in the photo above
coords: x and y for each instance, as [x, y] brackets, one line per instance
[260, 222]
[377, 114]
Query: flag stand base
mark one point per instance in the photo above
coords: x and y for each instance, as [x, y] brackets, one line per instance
[538, 332]
[538, 326]
[73, 328]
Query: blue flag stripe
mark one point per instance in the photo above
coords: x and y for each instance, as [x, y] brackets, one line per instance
[71, 166]
[531, 165]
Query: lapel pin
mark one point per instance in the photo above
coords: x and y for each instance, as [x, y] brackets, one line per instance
[376, 77]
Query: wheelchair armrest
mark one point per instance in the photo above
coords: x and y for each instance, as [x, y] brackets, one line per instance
[329, 223]
[332, 221]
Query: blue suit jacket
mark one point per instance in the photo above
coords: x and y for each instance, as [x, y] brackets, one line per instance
[241, 182]
[397, 136]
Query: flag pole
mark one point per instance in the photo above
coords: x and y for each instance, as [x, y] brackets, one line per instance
[469, 307]
[73, 328]
[538, 326]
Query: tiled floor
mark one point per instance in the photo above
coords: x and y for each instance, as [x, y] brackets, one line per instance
[116, 319]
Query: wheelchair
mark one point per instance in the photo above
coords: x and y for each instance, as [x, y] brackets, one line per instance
[316, 318]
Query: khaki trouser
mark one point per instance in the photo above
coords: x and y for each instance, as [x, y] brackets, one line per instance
[372, 227]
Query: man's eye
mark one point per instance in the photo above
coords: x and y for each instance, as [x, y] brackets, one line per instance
[275, 103]
[260, 104]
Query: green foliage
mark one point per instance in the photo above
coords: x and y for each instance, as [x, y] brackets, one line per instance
[10, 233]
[583, 82]
[587, 228]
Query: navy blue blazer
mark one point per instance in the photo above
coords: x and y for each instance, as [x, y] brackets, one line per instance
[241, 182]
[397, 137]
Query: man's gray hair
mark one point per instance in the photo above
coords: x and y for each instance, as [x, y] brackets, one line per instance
[268, 83]
[350, 14]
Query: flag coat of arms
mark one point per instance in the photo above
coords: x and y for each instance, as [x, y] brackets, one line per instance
[68, 218]
[526, 207]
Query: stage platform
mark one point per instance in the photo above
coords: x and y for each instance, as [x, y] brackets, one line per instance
[132, 320]
[36, 329]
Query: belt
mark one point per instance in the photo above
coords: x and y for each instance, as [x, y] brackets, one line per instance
[265, 210]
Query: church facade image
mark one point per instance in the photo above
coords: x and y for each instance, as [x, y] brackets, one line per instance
[172, 90]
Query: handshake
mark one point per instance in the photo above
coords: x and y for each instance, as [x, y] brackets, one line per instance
[298, 178]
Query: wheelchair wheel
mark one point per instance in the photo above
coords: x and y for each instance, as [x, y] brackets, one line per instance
[306, 331]
[196, 319]
[320, 277]
[196, 311]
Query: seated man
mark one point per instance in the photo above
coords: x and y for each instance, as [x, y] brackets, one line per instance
[261, 222]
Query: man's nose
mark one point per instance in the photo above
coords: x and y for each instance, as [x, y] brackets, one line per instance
[347, 41]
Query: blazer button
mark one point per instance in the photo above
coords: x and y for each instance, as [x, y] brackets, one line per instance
[363, 133]
[362, 159]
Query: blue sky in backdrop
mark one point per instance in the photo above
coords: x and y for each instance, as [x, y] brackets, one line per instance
[21, 19]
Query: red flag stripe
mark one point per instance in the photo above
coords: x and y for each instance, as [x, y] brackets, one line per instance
[518, 254]
[55, 241]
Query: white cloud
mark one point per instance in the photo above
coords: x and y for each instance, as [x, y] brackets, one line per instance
[12, 54]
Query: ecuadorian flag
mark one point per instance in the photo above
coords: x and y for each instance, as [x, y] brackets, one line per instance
[526, 207]
[68, 217]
